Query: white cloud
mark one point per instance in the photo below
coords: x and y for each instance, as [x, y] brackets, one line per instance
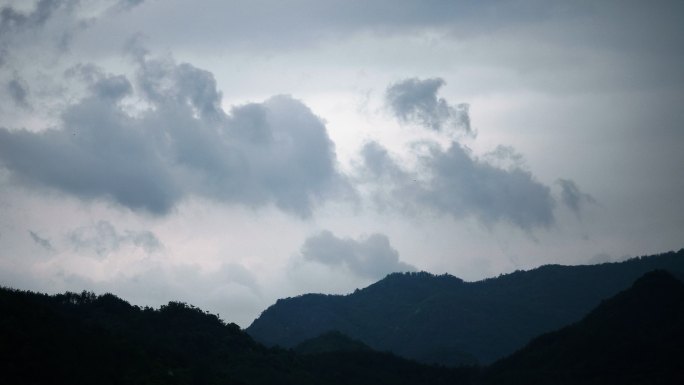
[369, 257]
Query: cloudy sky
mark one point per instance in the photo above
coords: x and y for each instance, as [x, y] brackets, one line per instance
[230, 153]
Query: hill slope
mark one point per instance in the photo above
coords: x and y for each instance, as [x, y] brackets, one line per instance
[445, 320]
[330, 342]
[87, 339]
[636, 337]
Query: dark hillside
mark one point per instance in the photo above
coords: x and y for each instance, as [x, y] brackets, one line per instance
[330, 342]
[445, 320]
[636, 337]
[88, 339]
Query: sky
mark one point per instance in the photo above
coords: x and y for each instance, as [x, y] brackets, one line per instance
[230, 153]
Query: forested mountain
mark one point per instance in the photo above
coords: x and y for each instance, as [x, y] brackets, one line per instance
[88, 339]
[333, 341]
[445, 320]
[636, 337]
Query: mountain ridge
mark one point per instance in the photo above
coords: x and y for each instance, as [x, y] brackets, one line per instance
[634, 337]
[82, 338]
[443, 319]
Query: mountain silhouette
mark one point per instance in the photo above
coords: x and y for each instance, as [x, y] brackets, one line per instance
[333, 341]
[636, 337]
[87, 339]
[442, 319]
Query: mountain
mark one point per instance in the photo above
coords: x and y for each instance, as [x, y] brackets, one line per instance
[636, 337]
[87, 339]
[442, 319]
[333, 341]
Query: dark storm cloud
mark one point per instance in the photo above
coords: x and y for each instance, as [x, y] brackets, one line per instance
[371, 257]
[573, 197]
[464, 185]
[18, 91]
[99, 153]
[275, 152]
[104, 238]
[455, 182]
[40, 241]
[415, 101]
[493, 188]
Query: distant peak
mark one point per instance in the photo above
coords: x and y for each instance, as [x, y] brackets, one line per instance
[330, 341]
[659, 278]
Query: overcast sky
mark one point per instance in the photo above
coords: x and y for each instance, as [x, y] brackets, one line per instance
[230, 153]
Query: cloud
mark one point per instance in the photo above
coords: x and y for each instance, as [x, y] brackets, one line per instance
[464, 185]
[101, 85]
[42, 242]
[128, 4]
[40, 38]
[493, 188]
[572, 196]
[415, 101]
[103, 239]
[99, 152]
[12, 20]
[18, 91]
[275, 152]
[46, 22]
[391, 186]
[505, 157]
[455, 182]
[165, 82]
[236, 273]
[113, 87]
[283, 26]
[379, 164]
[370, 257]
